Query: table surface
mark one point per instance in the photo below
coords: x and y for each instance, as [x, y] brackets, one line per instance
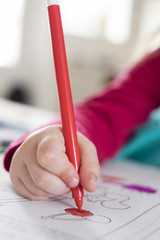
[24, 115]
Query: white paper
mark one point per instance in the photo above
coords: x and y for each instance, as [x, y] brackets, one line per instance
[119, 213]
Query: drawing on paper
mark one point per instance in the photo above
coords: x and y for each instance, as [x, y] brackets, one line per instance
[74, 214]
[14, 200]
[133, 187]
[7, 196]
[108, 199]
[103, 198]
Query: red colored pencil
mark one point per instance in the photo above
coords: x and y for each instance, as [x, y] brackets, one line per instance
[64, 92]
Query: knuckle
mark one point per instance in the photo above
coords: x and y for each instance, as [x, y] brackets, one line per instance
[45, 159]
[44, 155]
[41, 180]
[55, 133]
[44, 144]
[66, 173]
[49, 151]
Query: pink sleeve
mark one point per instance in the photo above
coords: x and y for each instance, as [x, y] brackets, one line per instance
[109, 118]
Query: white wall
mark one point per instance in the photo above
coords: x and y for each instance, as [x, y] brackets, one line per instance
[90, 61]
[35, 69]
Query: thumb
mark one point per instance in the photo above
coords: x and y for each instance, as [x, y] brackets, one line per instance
[89, 169]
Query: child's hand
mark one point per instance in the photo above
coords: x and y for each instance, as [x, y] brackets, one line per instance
[40, 167]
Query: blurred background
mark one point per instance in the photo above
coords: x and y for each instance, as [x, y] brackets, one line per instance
[100, 37]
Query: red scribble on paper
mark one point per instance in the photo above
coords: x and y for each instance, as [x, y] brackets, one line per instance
[76, 212]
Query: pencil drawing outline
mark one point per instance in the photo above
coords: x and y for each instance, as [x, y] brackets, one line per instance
[106, 198]
[61, 216]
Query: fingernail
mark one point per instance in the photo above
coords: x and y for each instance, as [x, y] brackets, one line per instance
[92, 181]
[73, 182]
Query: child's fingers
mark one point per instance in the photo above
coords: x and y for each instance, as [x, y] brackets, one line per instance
[21, 179]
[89, 170]
[52, 157]
[30, 185]
[47, 181]
[22, 190]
